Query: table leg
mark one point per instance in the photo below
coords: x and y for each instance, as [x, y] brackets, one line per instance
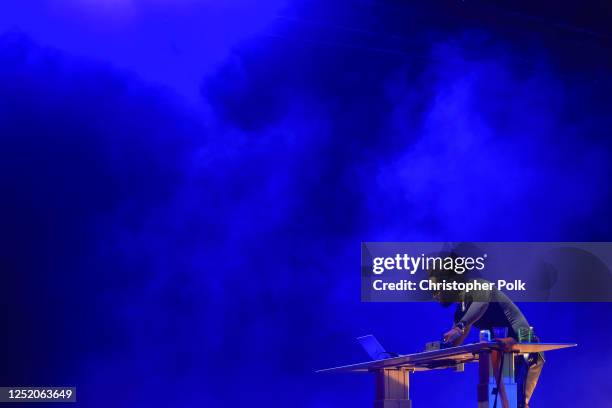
[487, 382]
[392, 388]
[484, 372]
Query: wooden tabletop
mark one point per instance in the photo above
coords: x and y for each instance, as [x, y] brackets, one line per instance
[443, 358]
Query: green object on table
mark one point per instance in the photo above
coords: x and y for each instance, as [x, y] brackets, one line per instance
[526, 335]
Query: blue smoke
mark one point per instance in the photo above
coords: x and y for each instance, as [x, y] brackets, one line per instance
[189, 259]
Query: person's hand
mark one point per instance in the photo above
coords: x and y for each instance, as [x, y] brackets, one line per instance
[452, 335]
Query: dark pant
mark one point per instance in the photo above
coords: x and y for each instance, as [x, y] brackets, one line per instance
[526, 375]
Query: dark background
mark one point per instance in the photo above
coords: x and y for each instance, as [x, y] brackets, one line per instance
[185, 185]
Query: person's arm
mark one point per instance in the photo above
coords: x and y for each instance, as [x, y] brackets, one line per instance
[474, 313]
[455, 336]
[477, 308]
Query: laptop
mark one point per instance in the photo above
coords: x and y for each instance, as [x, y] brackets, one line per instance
[374, 349]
